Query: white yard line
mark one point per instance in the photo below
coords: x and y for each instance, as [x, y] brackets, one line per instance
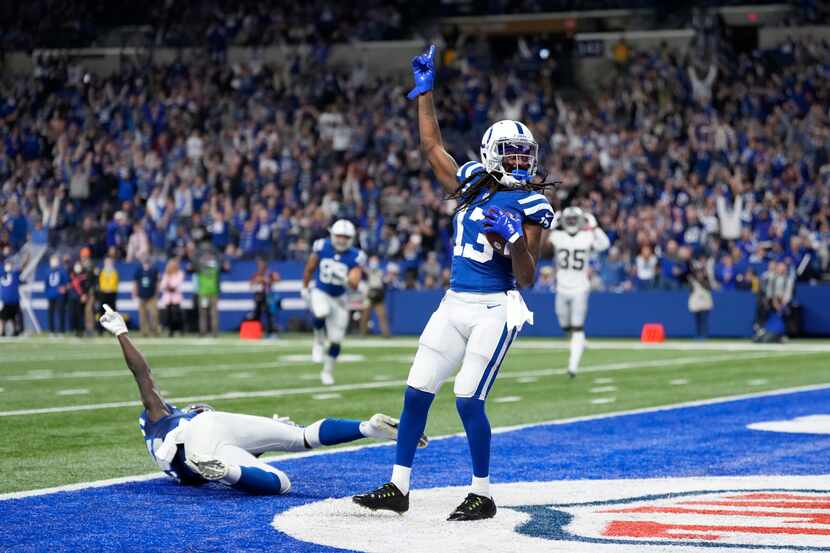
[499, 430]
[223, 344]
[389, 384]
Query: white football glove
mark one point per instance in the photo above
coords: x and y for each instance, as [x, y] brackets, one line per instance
[591, 220]
[113, 321]
[306, 295]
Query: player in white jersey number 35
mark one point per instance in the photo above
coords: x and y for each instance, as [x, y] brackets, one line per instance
[497, 231]
[576, 238]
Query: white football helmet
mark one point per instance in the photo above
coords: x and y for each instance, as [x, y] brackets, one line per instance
[573, 218]
[342, 234]
[509, 152]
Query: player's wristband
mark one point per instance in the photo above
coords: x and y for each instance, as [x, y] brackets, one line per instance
[515, 237]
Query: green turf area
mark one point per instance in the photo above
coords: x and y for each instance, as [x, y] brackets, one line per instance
[78, 444]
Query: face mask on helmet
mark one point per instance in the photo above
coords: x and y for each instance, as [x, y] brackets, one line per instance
[515, 159]
[572, 221]
[341, 242]
[198, 408]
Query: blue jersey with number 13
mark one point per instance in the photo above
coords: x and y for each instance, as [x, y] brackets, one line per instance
[476, 267]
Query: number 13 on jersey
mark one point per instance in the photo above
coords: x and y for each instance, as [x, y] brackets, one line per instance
[470, 250]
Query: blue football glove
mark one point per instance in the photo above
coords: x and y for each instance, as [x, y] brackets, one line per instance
[503, 223]
[423, 72]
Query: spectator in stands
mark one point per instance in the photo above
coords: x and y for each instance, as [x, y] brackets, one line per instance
[393, 276]
[376, 298]
[262, 282]
[172, 285]
[700, 295]
[730, 209]
[108, 280]
[646, 268]
[546, 281]
[10, 294]
[57, 284]
[672, 267]
[613, 272]
[726, 276]
[138, 245]
[117, 232]
[16, 224]
[145, 292]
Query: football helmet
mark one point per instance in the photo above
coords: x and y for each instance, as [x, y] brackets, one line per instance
[509, 152]
[573, 218]
[342, 234]
[198, 408]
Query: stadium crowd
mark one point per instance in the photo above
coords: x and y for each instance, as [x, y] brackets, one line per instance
[724, 166]
[215, 23]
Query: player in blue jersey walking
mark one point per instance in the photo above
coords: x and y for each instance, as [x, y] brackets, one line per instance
[496, 228]
[197, 444]
[334, 264]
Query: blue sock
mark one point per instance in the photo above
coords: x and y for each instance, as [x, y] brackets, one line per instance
[258, 482]
[338, 431]
[411, 427]
[477, 428]
[334, 350]
[318, 324]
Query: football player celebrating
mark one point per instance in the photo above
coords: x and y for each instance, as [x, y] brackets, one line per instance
[497, 230]
[198, 444]
[576, 238]
[334, 264]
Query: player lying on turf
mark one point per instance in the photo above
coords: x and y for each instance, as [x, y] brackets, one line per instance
[199, 444]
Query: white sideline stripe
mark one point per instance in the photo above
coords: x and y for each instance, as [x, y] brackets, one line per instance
[227, 287]
[385, 384]
[225, 304]
[500, 430]
[166, 372]
[528, 342]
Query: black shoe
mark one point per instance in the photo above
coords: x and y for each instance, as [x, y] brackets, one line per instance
[387, 498]
[474, 507]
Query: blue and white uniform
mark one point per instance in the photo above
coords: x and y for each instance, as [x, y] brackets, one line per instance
[482, 312]
[154, 436]
[230, 437]
[328, 296]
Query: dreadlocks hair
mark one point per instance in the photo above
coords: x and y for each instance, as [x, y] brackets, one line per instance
[471, 188]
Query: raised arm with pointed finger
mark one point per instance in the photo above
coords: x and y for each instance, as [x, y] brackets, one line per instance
[150, 394]
[432, 145]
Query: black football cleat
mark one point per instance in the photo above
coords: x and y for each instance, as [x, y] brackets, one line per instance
[386, 498]
[474, 507]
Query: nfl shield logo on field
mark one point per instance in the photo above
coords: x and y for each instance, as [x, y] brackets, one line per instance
[759, 519]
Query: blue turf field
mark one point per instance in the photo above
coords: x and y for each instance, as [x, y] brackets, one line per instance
[158, 515]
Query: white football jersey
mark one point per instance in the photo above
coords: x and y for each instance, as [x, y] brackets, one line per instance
[572, 252]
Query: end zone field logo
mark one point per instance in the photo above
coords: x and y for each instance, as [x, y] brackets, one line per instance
[761, 519]
[734, 514]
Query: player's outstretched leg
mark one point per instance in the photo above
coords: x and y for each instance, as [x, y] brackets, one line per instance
[327, 374]
[327, 432]
[319, 340]
[394, 495]
[577, 346]
[236, 468]
[478, 504]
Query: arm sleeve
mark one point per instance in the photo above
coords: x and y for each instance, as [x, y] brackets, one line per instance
[536, 209]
